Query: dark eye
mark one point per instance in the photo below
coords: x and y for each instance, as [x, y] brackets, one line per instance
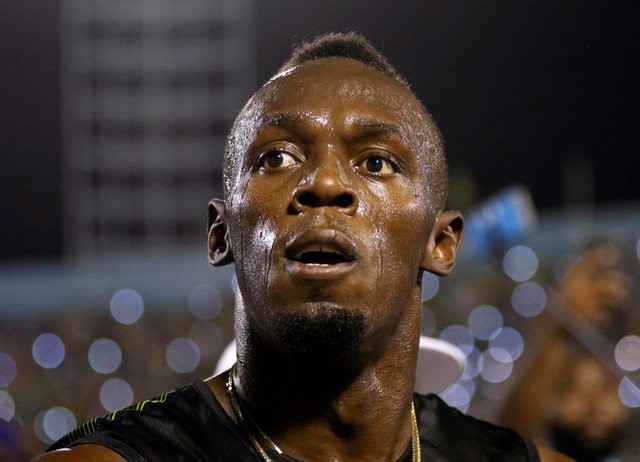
[377, 165]
[276, 159]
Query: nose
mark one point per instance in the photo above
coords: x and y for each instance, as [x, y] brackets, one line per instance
[325, 186]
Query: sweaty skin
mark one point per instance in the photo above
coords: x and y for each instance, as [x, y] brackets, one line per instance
[325, 127]
[333, 168]
[330, 220]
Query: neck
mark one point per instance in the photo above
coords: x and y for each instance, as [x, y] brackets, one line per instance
[357, 408]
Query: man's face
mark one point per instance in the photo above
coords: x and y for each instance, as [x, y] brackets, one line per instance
[327, 211]
[588, 413]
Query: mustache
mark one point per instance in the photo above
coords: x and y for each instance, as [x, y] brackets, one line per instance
[321, 221]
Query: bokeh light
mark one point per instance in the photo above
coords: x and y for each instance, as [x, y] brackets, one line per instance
[126, 306]
[183, 355]
[105, 356]
[116, 394]
[459, 336]
[492, 370]
[430, 286]
[629, 393]
[469, 385]
[510, 341]
[57, 422]
[520, 263]
[457, 396]
[204, 302]
[485, 321]
[7, 406]
[500, 354]
[471, 370]
[38, 428]
[48, 350]
[529, 299]
[627, 353]
[8, 370]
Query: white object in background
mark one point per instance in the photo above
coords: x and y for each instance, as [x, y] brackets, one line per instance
[440, 364]
[227, 358]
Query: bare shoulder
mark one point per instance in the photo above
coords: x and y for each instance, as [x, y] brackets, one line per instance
[85, 453]
[549, 455]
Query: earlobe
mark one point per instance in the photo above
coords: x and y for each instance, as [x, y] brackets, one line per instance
[444, 242]
[219, 244]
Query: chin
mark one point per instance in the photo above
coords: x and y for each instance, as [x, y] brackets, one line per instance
[326, 334]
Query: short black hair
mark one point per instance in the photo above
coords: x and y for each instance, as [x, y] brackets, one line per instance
[342, 45]
[354, 46]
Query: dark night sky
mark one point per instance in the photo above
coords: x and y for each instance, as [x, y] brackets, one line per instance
[30, 198]
[515, 86]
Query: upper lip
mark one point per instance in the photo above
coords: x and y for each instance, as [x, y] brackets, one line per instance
[325, 246]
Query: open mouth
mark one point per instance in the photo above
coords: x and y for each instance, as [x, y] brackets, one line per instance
[322, 257]
[320, 254]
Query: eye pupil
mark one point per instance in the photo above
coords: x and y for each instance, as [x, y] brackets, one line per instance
[275, 159]
[375, 164]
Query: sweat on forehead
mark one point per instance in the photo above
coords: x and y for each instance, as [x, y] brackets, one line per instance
[345, 78]
[349, 76]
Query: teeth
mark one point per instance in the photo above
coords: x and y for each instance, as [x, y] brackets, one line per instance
[321, 247]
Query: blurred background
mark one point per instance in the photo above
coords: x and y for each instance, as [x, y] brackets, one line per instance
[113, 116]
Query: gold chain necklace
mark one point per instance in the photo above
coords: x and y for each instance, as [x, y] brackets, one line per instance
[415, 436]
[235, 404]
[233, 398]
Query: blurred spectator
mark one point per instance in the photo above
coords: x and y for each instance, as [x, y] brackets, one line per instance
[586, 419]
[568, 396]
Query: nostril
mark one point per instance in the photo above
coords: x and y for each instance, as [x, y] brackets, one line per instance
[308, 199]
[343, 200]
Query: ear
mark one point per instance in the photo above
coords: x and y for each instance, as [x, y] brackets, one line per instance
[219, 245]
[443, 244]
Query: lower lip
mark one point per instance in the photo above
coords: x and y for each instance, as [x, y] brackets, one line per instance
[318, 272]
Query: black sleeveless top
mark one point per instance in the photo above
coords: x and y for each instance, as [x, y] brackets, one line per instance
[189, 424]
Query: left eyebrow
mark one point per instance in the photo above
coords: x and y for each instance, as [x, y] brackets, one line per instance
[368, 127]
[286, 119]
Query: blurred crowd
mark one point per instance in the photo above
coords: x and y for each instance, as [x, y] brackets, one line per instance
[552, 350]
[571, 393]
[43, 361]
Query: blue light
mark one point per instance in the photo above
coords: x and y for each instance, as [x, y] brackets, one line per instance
[48, 351]
[105, 356]
[116, 394]
[183, 355]
[126, 306]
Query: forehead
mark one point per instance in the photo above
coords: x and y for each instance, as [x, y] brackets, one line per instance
[335, 96]
[341, 88]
